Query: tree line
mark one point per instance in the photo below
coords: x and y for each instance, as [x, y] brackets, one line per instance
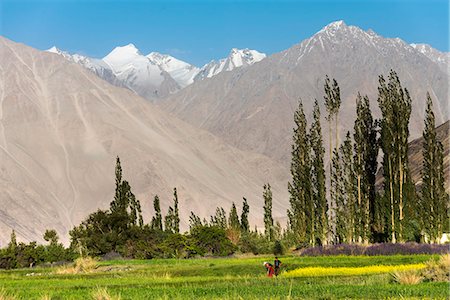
[343, 208]
[353, 211]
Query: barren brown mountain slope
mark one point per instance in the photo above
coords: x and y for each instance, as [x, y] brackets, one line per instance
[61, 128]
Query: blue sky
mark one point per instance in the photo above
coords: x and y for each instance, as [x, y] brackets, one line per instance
[198, 31]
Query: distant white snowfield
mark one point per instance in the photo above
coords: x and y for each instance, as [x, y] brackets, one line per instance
[157, 75]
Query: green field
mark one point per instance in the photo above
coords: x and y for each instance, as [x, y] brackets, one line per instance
[224, 278]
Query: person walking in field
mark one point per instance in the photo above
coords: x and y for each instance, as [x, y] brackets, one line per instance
[270, 270]
[277, 266]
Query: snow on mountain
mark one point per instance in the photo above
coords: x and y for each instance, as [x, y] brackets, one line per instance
[138, 72]
[61, 129]
[252, 107]
[156, 75]
[97, 66]
[237, 58]
[182, 72]
[438, 57]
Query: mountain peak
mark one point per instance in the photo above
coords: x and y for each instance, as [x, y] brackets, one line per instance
[126, 51]
[334, 26]
[53, 50]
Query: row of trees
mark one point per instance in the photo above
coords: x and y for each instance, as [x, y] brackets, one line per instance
[354, 211]
[121, 229]
[351, 212]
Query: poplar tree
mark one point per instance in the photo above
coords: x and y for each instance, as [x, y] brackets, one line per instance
[300, 187]
[268, 220]
[194, 221]
[332, 103]
[176, 215]
[157, 219]
[365, 162]
[395, 105]
[434, 200]
[320, 218]
[244, 216]
[338, 198]
[220, 218]
[169, 220]
[233, 220]
[348, 188]
[125, 208]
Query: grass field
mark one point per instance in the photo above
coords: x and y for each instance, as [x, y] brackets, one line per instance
[335, 277]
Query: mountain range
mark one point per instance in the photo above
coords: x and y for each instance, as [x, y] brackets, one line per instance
[217, 132]
[156, 75]
[252, 108]
[61, 128]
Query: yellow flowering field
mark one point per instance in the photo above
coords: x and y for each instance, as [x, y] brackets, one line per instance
[350, 271]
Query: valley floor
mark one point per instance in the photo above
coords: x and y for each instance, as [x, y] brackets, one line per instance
[332, 277]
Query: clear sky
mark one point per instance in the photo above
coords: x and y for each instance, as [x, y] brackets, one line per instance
[198, 31]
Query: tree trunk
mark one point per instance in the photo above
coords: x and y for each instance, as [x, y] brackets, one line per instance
[400, 204]
[391, 189]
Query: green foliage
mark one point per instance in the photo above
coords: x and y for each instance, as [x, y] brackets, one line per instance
[219, 219]
[320, 204]
[300, 187]
[395, 105]
[268, 220]
[172, 219]
[220, 278]
[245, 225]
[157, 219]
[434, 199]
[194, 221]
[365, 168]
[278, 248]
[233, 220]
[211, 240]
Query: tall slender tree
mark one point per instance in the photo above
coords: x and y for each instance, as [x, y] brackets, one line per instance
[434, 200]
[220, 218]
[268, 219]
[300, 187]
[157, 219]
[332, 103]
[233, 220]
[318, 179]
[339, 209]
[348, 187]
[395, 105]
[244, 216]
[176, 215]
[365, 162]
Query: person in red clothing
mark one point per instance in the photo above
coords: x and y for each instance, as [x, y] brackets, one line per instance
[270, 270]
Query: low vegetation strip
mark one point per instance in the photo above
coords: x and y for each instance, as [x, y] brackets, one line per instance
[350, 271]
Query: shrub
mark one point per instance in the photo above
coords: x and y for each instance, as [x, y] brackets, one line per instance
[211, 240]
[407, 277]
[437, 270]
[102, 293]
[81, 265]
[278, 248]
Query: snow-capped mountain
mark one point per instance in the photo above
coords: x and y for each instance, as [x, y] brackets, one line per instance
[139, 73]
[97, 66]
[156, 75]
[252, 107]
[237, 58]
[61, 129]
[438, 57]
[182, 72]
